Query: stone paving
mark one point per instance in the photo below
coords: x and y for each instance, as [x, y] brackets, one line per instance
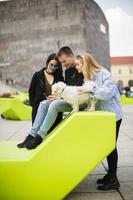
[16, 130]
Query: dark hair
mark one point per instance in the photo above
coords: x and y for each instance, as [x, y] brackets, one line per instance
[58, 72]
[52, 56]
[65, 50]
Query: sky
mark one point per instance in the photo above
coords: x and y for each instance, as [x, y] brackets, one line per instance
[119, 14]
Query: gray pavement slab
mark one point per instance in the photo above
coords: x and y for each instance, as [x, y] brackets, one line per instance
[125, 174]
[94, 196]
[127, 190]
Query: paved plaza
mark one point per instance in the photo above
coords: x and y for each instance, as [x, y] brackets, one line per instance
[16, 130]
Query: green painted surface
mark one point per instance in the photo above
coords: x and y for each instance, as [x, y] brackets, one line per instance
[61, 162]
[5, 104]
[22, 96]
[126, 100]
[14, 109]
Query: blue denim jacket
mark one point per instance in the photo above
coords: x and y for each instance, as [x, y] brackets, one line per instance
[104, 89]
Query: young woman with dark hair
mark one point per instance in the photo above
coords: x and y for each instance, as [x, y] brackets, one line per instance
[40, 87]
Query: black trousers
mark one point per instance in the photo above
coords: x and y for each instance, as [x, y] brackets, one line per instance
[112, 158]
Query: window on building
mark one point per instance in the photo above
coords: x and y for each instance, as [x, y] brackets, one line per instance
[103, 28]
[130, 71]
[119, 71]
[130, 83]
[1, 75]
[56, 11]
[58, 44]
[3, 65]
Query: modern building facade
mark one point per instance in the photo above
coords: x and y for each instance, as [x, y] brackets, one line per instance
[32, 29]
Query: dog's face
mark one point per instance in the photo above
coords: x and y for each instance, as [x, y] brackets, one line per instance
[57, 88]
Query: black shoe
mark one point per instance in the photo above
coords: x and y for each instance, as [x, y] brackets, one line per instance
[104, 179]
[27, 139]
[32, 144]
[112, 184]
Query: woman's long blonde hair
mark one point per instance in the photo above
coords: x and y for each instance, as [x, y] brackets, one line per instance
[90, 65]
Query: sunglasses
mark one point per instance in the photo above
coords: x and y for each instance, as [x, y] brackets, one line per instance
[53, 67]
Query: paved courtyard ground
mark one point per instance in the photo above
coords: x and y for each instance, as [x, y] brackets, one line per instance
[16, 130]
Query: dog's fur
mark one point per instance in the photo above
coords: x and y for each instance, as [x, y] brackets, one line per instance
[72, 96]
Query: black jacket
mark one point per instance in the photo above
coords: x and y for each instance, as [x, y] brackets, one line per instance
[37, 92]
[37, 87]
[73, 78]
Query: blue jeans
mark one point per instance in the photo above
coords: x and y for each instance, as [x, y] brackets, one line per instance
[47, 114]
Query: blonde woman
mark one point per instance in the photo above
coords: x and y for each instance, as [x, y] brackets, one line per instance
[105, 91]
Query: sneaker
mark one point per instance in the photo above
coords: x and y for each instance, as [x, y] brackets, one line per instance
[32, 144]
[111, 184]
[27, 139]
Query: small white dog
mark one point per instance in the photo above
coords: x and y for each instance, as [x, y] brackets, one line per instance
[72, 95]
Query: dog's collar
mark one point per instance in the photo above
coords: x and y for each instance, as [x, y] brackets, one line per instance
[62, 91]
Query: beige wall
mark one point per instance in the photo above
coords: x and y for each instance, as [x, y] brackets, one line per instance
[122, 72]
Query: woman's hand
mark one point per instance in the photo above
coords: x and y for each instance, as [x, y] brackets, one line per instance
[52, 98]
[84, 89]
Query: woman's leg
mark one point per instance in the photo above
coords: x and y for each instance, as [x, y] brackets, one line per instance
[34, 112]
[110, 181]
[57, 121]
[41, 113]
[55, 107]
[40, 116]
[112, 158]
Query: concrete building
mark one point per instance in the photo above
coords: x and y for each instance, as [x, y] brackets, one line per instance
[32, 29]
[122, 70]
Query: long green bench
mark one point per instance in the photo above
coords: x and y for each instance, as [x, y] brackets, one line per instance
[4, 104]
[13, 108]
[22, 96]
[71, 151]
[126, 100]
